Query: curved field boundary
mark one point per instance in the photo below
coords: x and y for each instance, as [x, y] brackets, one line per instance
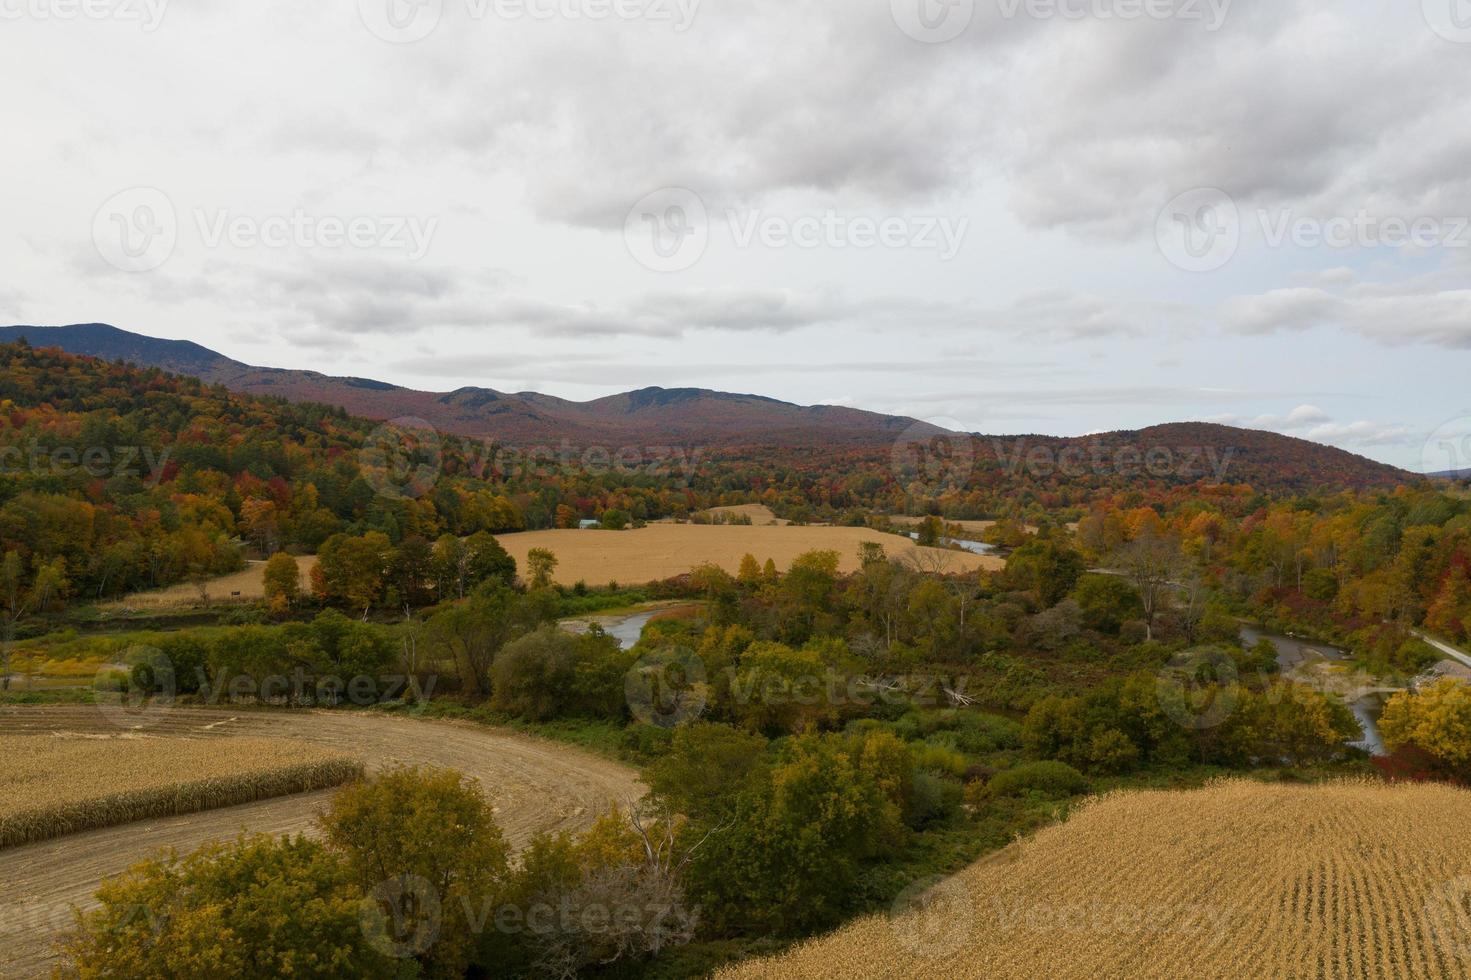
[534, 786]
[65, 785]
[1241, 879]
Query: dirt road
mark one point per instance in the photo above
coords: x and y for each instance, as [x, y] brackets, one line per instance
[534, 785]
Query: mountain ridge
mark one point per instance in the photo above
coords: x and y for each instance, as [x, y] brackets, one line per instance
[698, 416]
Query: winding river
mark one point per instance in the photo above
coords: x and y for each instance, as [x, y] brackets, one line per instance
[974, 547]
[1294, 653]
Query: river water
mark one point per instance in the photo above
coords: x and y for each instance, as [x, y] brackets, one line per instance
[1293, 653]
[626, 628]
[974, 547]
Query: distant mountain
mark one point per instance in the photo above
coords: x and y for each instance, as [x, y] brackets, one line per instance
[649, 416]
[1179, 453]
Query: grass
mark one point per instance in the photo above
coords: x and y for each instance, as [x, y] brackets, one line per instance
[59, 785]
[610, 739]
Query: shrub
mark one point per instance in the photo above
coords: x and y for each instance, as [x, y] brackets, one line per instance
[1053, 779]
[932, 800]
[533, 677]
[431, 824]
[259, 908]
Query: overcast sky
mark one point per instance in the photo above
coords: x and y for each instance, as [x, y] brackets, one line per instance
[1057, 216]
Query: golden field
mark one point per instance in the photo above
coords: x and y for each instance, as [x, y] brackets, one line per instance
[1241, 879]
[661, 551]
[60, 784]
[760, 514]
[250, 583]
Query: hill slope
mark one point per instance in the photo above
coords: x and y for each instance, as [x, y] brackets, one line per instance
[1187, 451]
[647, 416]
[1177, 454]
[1239, 880]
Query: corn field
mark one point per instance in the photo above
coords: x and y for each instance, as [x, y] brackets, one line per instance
[57, 785]
[1241, 879]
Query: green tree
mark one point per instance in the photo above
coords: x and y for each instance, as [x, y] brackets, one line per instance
[705, 767]
[282, 583]
[410, 825]
[1107, 602]
[787, 860]
[485, 560]
[749, 574]
[21, 595]
[260, 908]
[541, 563]
[533, 677]
[354, 569]
[1048, 567]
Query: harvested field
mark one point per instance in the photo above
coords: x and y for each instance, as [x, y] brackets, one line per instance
[533, 785]
[760, 514]
[58, 784]
[250, 584]
[662, 551]
[1238, 880]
